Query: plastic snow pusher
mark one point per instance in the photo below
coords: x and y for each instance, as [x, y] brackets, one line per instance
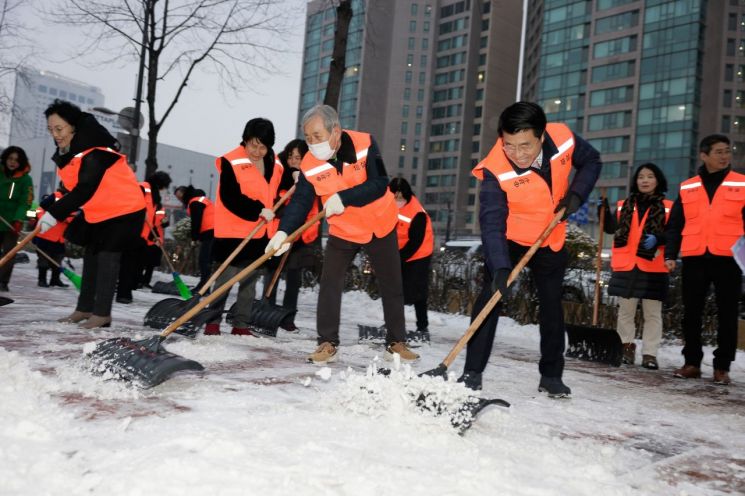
[146, 362]
[463, 418]
[166, 311]
[593, 343]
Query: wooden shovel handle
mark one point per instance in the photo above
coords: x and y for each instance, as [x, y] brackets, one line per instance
[484, 313]
[599, 261]
[277, 272]
[243, 244]
[12, 253]
[38, 250]
[218, 292]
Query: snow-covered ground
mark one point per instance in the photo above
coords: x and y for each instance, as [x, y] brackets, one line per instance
[261, 421]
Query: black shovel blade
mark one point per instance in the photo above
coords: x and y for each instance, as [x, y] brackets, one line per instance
[166, 311]
[594, 344]
[5, 301]
[461, 416]
[144, 362]
[266, 317]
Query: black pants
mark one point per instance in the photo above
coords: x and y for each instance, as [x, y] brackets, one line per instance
[205, 257]
[100, 271]
[292, 287]
[8, 241]
[383, 253]
[698, 275]
[547, 270]
[130, 270]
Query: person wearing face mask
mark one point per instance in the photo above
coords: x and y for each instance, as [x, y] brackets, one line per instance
[249, 180]
[706, 221]
[637, 260]
[416, 243]
[344, 168]
[104, 187]
[16, 195]
[301, 253]
[525, 181]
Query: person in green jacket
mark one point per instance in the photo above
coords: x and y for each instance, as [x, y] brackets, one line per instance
[16, 195]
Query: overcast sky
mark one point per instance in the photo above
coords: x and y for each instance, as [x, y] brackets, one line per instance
[204, 120]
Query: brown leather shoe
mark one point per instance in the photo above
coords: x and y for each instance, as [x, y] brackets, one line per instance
[688, 372]
[75, 317]
[650, 362]
[96, 321]
[721, 377]
[629, 353]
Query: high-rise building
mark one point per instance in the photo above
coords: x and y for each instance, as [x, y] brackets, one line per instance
[428, 79]
[643, 81]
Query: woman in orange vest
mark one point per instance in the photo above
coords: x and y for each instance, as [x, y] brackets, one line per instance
[249, 180]
[159, 182]
[104, 187]
[415, 245]
[638, 261]
[201, 211]
[52, 243]
[302, 253]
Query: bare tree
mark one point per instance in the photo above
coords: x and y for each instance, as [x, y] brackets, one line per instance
[339, 54]
[235, 39]
[15, 50]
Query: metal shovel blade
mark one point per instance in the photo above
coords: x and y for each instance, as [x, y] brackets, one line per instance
[144, 362]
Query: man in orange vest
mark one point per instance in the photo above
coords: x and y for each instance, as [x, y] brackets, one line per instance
[346, 170]
[525, 180]
[706, 220]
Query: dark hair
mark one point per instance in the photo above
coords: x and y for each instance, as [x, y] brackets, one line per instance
[710, 141]
[70, 112]
[22, 159]
[399, 184]
[301, 146]
[261, 129]
[159, 180]
[522, 116]
[658, 174]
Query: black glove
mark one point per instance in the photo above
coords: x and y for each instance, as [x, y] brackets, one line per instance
[603, 205]
[572, 202]
[499, 282]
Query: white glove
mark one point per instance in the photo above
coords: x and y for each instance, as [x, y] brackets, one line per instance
[47, 222]
[295, 175]
[267, 213]
[276, 243]
[333, 205]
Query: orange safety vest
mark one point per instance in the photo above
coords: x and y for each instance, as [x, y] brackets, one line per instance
[405, 215]
[530, 201]
[714, 226]
[355, 224]
[57, 233]
[117, 194]
[149, 213]
[208, 216]
[624, 258]
[254, 186]
[160, 216]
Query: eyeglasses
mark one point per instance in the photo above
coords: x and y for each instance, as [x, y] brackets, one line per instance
[522, 148]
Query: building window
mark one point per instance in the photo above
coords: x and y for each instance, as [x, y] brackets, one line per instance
[405, 111]
[614, 47]
[401, 161]
[404, 127]
[477, 112]
[476, 129]
[412, 26]
[42, 88]
[422, 77]
[730, 50]
[52, 91]
[726, 123]
[612, 120]
[412, 43]
[407, 77]
[419, 111]
[610, 72]
[418, 129]
[425, 43]
[617, 22]
[425, 27]
[729, 73]
[414, 9]
[407, 94]
[415, 163]
[420, 95]
[409, 60]
[423, 61]
[727, 98]
[413, 179]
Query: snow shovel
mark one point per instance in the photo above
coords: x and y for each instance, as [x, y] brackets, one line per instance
[165, 311]
[75, 279]
[266, 316]
[466, 414]
[593, 343]
[5, 301]
[183, 289]
[12, 252]
[146, 362]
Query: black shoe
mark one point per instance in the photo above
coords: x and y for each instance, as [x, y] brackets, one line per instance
[4, 287]
[471, 379]
[58, 283]
[42, 283]
[554, 387]
[124, 300]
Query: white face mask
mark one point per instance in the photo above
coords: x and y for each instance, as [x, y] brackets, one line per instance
[322, 151]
